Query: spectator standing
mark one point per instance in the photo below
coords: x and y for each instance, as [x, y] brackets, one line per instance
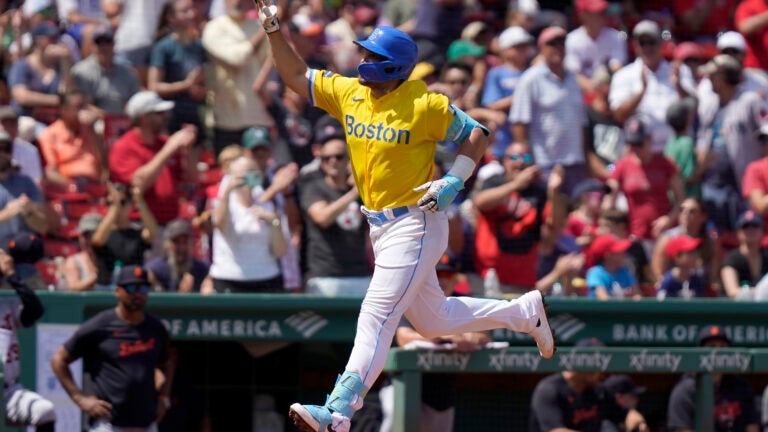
[727, 139]
[71, 147]
[703, 20]
[123, 349]
[436, 25]
[648, 85]
[513, 206]
[604, 137]
[146, 158]
[744, 266]
[681, 148]
[610, 277]
[751, 20]
[248, 240]
[733, 44]
[117, 242]
[22, 406]
[80, 269]
[337, 258]
[755, 181]
[135, 22]
[548, 112]
[34, 79]
[734, 408]
[237, 49]
[22, 204]
[26, 156]
[514, 45]
[108, 84]
[593, 43]
[177, 270]
[561, 400]
[81, 18]
[176, 66]
[645, 178]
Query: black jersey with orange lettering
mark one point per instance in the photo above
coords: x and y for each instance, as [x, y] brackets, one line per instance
[121, 359]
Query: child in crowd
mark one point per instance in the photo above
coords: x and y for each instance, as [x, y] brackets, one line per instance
[610, 277]
[587, 197]
[680, 146]
[682, 280]
[616, 222]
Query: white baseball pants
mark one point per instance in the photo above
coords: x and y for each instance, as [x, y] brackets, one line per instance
[405, 282]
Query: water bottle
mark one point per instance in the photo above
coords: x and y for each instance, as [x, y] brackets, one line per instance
[491, 284]
[116, 272]
[617, 291]
[745, 294]
[557, 289]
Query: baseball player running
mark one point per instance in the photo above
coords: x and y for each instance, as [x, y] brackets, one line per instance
[392, 126]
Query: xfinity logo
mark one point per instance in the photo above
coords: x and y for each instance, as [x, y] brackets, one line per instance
[429, 359]
[504, 360]
[713, 360]
[575, 360]
[665, 361]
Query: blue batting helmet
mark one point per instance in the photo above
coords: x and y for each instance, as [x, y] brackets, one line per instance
[396, 46]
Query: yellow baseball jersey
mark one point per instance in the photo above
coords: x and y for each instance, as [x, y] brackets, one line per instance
[392, 139]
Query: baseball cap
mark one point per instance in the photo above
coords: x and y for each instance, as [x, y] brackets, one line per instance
[514, 36]
[306, 25]
[712, 332]
[328, 132]
[679, 112]
[145, 102]
[24, 247]
[88, 222]
[635, 130]
[733, 40]
[550, 34]
[594, 6]
[7, 112]
[588, 185]
[45, 28]
[686, 50]
[749, 218]
[646, 28]
[103, 33]
[622, 384]
[447, 264]
[721, 62]
[608, 244]
[132, 274]
[464, 48]
[257, 136]
[680, 244]
[5, 137]
[592, 342]
[177, 227]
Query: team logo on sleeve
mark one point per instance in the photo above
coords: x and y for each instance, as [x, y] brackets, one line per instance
[375, 132]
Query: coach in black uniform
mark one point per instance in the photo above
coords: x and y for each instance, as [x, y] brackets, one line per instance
[576, 401]
[121, 348]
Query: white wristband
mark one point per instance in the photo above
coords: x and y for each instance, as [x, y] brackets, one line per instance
[463, 167]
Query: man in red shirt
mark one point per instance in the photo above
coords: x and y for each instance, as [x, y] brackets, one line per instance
[513, 206]
[751, 20]
[146, 158]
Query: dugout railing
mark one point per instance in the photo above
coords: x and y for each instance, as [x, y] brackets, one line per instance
[406, 367]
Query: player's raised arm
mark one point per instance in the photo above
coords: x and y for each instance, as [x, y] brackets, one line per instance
[292, 68]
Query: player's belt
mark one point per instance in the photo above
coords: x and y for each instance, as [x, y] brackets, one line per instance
[379, 218]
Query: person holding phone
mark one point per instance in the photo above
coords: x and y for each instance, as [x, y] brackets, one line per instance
[248, 241]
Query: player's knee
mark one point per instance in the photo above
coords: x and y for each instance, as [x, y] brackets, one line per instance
[43, 412]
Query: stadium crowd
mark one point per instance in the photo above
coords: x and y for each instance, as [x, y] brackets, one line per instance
[628, 156]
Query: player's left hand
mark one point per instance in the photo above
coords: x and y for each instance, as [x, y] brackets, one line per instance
[440, 193]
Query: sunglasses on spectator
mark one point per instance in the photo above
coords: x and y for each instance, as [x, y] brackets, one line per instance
[647, 42]
[525, 157]
[135, 288]
[338, 157]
